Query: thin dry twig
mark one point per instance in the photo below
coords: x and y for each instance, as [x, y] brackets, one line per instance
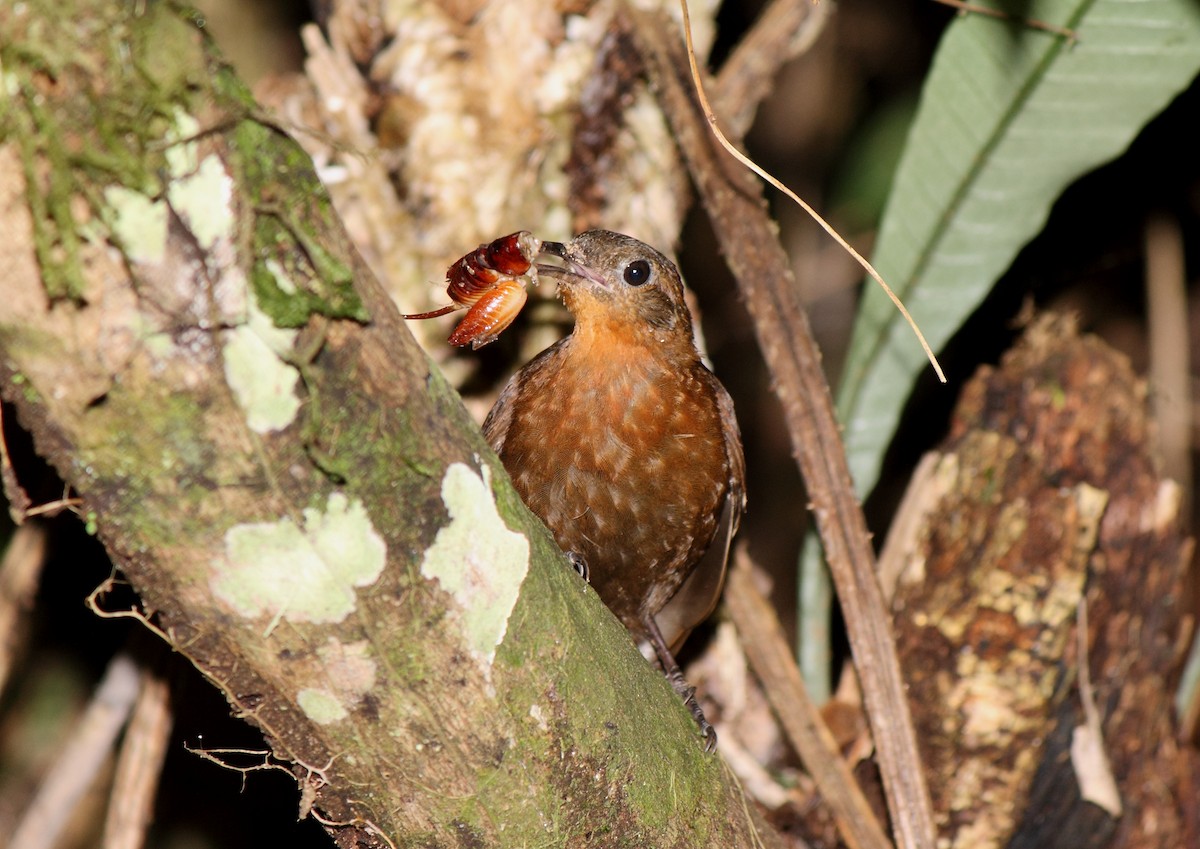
[139, 766]
[1171, 401]
[1167, 331]
[18, 500]
[749, 241]
[19, 574]
[749, 163]
[1032, 23]
[1093, 771]
[93, 604]
[771, 657]
[81, 758]
[53, 508]
[218, 757]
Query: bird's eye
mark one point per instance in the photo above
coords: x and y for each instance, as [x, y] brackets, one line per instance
[637, 272]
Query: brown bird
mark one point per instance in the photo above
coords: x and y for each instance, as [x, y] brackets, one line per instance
[626, 446]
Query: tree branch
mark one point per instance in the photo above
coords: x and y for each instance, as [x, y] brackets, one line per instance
[306, 509]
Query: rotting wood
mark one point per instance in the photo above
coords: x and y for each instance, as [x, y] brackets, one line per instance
[1010, 545]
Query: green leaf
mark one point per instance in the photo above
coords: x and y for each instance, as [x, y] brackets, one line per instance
[1009, 116]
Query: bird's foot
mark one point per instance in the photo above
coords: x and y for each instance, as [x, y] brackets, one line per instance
[678, 684]
[688, 694]
[578, 564]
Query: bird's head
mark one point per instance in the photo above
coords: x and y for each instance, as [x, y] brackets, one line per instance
[612, 281]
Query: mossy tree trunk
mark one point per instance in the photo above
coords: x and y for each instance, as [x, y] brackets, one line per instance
[300, 499]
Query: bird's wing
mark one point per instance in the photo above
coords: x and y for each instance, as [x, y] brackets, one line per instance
[698, 596]
[495, 426]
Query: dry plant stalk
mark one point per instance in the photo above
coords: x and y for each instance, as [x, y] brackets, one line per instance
[1032, 23]
[20, 569]
[81, 758]
[795, 198]
[771, 657]
[139, 765]
[747, 237]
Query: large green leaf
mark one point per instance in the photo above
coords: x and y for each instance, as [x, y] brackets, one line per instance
[1009, 115]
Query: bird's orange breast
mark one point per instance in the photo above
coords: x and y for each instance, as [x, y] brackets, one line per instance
[624, 458]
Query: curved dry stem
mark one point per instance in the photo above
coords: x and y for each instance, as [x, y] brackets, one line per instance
[765, 175]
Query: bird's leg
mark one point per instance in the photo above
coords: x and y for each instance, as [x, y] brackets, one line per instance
[579, 564]
[680, 686]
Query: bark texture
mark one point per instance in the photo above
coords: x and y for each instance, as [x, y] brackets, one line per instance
[1047, 499]
[302, 502]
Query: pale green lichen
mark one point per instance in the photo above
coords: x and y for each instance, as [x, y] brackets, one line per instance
[200, 191]
[308, 574]
[182, 156]
[279, 339]
[321, 706]
[263, 383]
[282, 279]
[140, 224]
[203, 199]
[477, 559]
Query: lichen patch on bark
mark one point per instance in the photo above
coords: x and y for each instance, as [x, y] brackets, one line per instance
[303, 574]
[139, 223]
[321, 706]
[202, 191]
[203, 200]
[263, 383]
[477, 559]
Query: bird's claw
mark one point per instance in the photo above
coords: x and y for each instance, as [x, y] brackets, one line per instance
[675, 678]
[579, 565]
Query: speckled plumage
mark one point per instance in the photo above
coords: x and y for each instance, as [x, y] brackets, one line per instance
[623, 442]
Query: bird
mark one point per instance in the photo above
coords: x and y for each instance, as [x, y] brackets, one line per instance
[626, 446]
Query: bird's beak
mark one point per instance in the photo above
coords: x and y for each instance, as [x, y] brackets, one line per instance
[557, 249]
[571, 268]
